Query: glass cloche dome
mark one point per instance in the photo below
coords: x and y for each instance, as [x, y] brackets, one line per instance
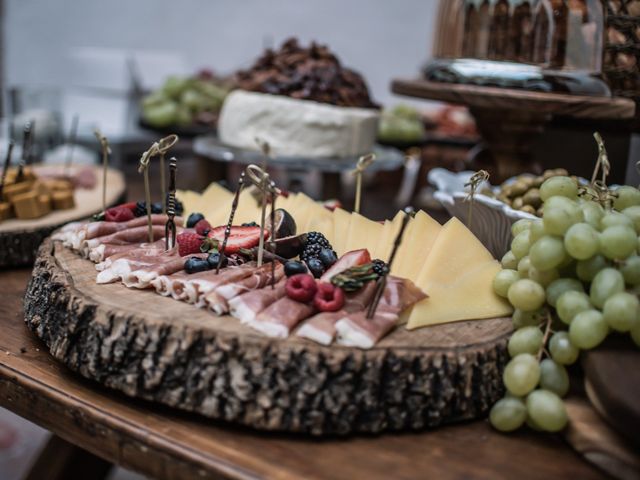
[542, 45]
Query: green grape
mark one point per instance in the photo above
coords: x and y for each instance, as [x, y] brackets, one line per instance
[554, 377]
[559, 186]
[605, 284]
[587, 269]
[593, 213]
[525, 340]
[508, 414]
[543, 277]
[635, 333]
[559, 286]
[571, 303]
[558, 218]
[630, 270]
[520, 226]
[536, 230]
[546, 410]
[522, 374]
[174, 86]
[562, 350]
[588, 329]
[547, 253]
[612, 218]
[526, 295]
[520, 244]
[161, 115]
[581, 241]
[627, 196]
[523, 267]
[618, 242]
[634, 214]
[503, 280]
[621, 311]
[525, 319]
[509, 261]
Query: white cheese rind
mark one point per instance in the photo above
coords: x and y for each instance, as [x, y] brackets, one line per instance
[294, 127]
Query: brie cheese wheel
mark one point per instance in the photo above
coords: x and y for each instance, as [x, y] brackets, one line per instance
[295, 127]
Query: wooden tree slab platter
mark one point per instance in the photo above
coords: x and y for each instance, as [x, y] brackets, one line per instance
[158, 349]
[19, 239]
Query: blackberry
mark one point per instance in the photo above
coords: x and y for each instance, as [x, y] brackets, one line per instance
[316, 238]
[380, 268]
[311, 251]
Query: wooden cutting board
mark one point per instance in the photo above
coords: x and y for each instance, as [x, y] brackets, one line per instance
[159, 349]
[19, 239]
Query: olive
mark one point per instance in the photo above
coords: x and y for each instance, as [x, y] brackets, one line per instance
[518, 189]
[532, 197]
[193, 219]
[528, 209]
[517, 203]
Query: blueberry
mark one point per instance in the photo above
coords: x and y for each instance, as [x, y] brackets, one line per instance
[293, 267]
[316, 267]
[214, 258]
[156, 207]
[193, 219]
[250, 224]
[327, 257]
[195, 264]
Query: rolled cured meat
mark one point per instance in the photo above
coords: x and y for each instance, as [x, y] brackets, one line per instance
[100, 229]
[281, 317]
[192, 288]
[164, 264]
[246, 307]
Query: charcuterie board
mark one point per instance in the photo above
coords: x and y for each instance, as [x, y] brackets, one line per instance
[19, 239]
[157, 349]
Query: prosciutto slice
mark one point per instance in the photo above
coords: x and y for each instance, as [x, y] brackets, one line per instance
[356, 330]
[282, 316]
[163, 284]
[192, 288]
[133, 261]
[107, 251]
[246, 307]
[100, 229]
[321, 328]
[123, 237]
[132, 251]
[162, 265]
[217, 299]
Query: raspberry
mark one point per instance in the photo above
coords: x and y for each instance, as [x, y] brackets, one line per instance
[120, 213]
[202, 226]
[188, 243]
[328, 298]
[301, 287]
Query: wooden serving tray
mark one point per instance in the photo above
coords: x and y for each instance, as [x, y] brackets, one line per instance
[19, 239]
[159, 349]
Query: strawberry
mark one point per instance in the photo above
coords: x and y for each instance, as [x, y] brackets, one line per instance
[118, 214]
[203, 227]
[348, 260]
[189, 243]
[240, 237]
[331, 205]
[328, 298]
[301, 287]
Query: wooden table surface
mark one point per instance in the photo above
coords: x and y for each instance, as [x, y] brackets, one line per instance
[163, 443]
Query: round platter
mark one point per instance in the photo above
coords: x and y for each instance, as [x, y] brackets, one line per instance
[19, 239]
[158, 349]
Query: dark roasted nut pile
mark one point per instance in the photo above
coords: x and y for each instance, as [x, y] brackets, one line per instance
[312, 73]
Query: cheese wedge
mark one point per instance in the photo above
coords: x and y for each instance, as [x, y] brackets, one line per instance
[388, 236]
[248, 210]
[417, 243]
[341, 221]
[216, 193]
[363, 233]
[470, 298]
[321, 221]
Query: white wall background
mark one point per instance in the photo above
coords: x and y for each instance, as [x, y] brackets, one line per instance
[44, 38]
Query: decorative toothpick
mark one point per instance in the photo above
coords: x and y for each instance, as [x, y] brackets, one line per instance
[227, 229]
[265, 148]
[272, 243]
[602, 164]
[382, 281]
[260, 179]
[26, 150]
[361, 166]
[163, 147]
[474, 182]
[71, 143]
[170, 226]
[7, 163]
[597, 189]
[106, 151]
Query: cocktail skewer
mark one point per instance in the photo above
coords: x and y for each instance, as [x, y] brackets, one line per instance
[170, 227]
[106, 151]
[363, 163]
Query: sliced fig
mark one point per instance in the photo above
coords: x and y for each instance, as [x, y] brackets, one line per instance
[285, 225]
[291, 246]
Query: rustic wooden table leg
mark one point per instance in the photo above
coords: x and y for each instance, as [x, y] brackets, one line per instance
[61, 460]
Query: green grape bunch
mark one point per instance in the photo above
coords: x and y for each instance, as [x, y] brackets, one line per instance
[573, 277]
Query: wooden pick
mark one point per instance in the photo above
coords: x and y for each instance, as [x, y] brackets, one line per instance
[474, 182]
[260, 179]
[227, 230]
[26, 150]
[164, 144]
[363, 163]
[272, 243]
[170, 226]
[71, 142]
[106, 151]
[7, 163]
[265, 148]
[602, 164]
[381, 283]
[144, 169]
